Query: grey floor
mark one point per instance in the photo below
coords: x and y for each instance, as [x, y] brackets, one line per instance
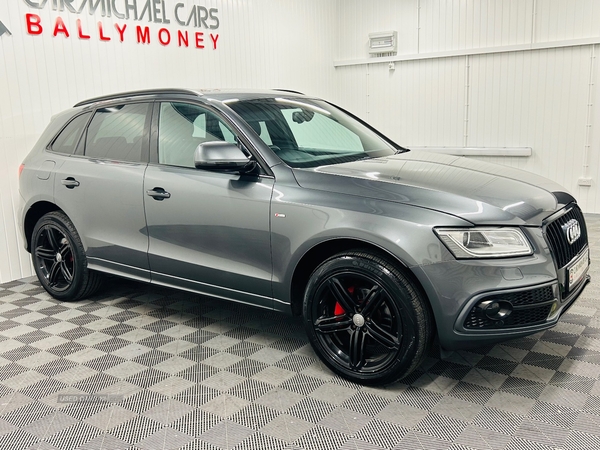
[141, 367]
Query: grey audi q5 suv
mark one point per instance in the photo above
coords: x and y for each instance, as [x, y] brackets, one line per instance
[287, 202]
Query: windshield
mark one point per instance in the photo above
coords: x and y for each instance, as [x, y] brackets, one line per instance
[310, 133]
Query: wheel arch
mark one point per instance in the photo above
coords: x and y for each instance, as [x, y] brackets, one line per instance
[34, 213]
[324, 250]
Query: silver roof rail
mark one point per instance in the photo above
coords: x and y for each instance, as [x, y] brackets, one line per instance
[290, 91]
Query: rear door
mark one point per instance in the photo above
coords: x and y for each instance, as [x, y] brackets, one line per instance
[100, 188]
[208, 231]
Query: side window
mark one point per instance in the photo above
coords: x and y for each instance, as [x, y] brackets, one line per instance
[182, 127]
[67, 140]
[116, 132]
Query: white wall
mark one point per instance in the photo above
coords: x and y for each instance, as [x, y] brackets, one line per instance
[493, 76]
[262, 44]
[483, 63]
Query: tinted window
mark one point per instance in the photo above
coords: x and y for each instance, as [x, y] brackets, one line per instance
[182, 127]
[67, 140]
[116, 133]
[318, 131]
[310, 133]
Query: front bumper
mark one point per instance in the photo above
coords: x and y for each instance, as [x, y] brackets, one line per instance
[532, 288]
[540, 317]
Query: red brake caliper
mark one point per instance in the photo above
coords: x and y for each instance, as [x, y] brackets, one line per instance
[338, 311]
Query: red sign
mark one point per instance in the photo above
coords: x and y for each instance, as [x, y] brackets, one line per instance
[121, 33]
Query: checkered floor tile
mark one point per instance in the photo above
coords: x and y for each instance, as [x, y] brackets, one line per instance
[142, 367]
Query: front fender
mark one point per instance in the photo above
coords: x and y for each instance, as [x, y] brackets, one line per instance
[403, 231]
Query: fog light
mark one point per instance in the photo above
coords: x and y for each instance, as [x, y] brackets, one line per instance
[495, 309]
[553, 310]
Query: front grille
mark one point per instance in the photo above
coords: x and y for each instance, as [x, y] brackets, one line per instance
[530, 307]
[563, 251]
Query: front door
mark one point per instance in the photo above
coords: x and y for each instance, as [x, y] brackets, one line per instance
[208, 231]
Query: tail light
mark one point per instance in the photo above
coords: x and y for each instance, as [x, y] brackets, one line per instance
[21, 167]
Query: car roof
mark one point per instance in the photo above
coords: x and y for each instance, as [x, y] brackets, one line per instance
[215, 94]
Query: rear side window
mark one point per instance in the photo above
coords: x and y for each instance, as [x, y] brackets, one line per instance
[67, 140]
[117, 132]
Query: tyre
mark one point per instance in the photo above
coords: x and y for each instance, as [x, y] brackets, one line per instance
[365, 319]
[59, 259]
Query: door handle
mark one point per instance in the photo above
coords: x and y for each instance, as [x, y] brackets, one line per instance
[70, 182]
[158, 193]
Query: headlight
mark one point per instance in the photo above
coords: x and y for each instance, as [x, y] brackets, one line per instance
[484, 242]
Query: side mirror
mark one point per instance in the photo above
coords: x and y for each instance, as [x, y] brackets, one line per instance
[222, 157]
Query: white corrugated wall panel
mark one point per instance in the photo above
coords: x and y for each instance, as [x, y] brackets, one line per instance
[591, 195]
[566, 19]
[459, 24]
[418, 103]
[262, 44]
[534, 99]
[352, 90]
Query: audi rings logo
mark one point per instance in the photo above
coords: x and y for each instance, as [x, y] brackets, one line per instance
[572, 230]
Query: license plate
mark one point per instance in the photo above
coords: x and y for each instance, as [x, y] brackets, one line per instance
[578, 269]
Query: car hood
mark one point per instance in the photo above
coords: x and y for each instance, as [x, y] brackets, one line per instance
[479, 192]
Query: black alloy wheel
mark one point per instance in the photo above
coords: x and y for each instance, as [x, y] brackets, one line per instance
[365, 319]
[54, 258]
[59, 259]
